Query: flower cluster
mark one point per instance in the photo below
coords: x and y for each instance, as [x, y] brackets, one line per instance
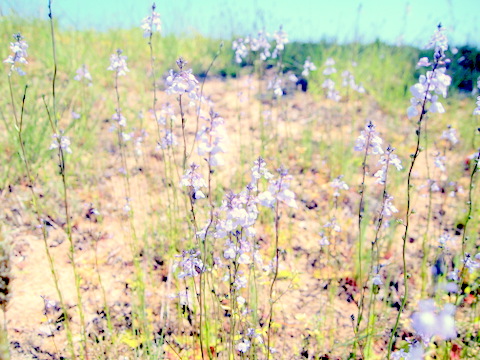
[119, 118]
[435, 82]
[329, 84]
[338, 184]
[211, 140]
[150, 22]
[83, 73]
[190, 264]
[183, 82]
[118, 63]
[19, 49]
[281, 38]
[62, 142]
[385, 160]
[369, 140]
[276, 86]
[308, 66]
[348, 80]
[429, 321]
[450, 135]
[278, 190]
[260, 45]
[195, 181]
[471, 263]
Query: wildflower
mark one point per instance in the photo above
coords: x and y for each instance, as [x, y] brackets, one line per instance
[470, 263]
[83, 73]
[281, 38]
[434, 81]
[450, 135]
[338, 184]
[119, 118]
[415, 352]
[438, 42]
[19, 48]
[429, 322]
[377, 280]
[212, 140]
[369, 140]
[388, 208]
[241, 50]
[183, 82]
[308, 66]
[332, 93]
[439, 162]
[423, 62]
[329, 70]
[75, 115]
[349, 81]
[390, 158]
[190, 264]
[332, 224]
[262, 45]
[276, 86]
[243, 346]
[278, 190]
[118, 63]
[323, 240]
[149, 22]
[240, 281]
[194, 180]
[168, 140]
[444, 238]
[60, 141]
[260, 170]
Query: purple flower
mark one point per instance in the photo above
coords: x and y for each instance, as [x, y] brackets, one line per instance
[118, 63]
[190, 265]
[450, 135]
[83, 73]
[194, 180]
[338, 184]
[434, 81]
[183, 82]
[150, 22]
[429, 322]
[19, 49]
[369, 140]
[307, 67]
[60, 141]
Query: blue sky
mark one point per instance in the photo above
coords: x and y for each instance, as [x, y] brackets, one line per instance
[393, 21]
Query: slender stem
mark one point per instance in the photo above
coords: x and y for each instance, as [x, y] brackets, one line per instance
[360, 243]
[275, 273]
[200, 99]
[31, 180]
[50, 15]
[414, 157]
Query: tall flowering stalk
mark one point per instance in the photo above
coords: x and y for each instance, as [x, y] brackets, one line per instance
[425, 100]
[19, 48]
[183, 83]
[387, 209]
[370, 143]
[118, 64]
[329, 84]
[61, 144]
[278, 191]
